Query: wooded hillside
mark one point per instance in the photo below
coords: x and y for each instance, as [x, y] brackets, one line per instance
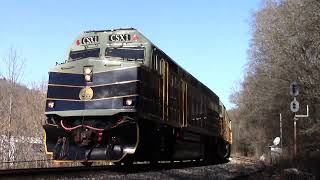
[21, 112]
[285, 47]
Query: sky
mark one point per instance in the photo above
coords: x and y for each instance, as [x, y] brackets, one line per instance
[208, 38]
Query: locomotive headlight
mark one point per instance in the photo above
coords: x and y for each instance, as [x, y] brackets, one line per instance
[51, 104]
[87, 77]
[88, 73]
[87, 70]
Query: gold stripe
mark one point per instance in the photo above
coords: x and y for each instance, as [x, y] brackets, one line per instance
[63, 85]
[183, 104]
[50, 112]
[167, 89]
[186, 104]
[45, 144]
[98, 71]
[118, 69]
[121, 82]
[114, 97]
[163, 89]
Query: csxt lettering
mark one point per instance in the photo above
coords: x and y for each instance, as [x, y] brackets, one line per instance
[119, 37]
[90, 40]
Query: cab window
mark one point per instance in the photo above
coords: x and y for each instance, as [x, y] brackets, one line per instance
[130, 54]
[76, 55]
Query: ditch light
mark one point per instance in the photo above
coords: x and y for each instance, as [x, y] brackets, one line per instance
[129, 101]
[50, 104]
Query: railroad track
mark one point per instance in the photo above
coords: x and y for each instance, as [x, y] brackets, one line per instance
[54, 170]
[135, 168]
[177, 170]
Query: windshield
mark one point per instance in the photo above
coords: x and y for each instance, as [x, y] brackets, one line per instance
[74, 55]
[126, 53]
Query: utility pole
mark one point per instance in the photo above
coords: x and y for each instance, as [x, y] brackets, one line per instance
[295, 119]
[295, 136]
[294, 106]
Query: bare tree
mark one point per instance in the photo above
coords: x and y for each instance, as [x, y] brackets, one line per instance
[22, 113]
[13, 72]
[14, 66]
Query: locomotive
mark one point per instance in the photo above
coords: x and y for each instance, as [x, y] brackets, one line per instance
[119, 98]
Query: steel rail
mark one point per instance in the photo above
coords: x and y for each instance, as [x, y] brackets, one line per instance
[135, 168]
[52, 170]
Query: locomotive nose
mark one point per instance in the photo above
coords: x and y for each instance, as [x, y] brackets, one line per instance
[90, 87]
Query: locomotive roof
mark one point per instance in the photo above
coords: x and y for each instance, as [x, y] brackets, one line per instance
[109, 30]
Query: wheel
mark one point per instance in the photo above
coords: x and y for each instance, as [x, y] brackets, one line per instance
[229, 151]
[223, 151]
[87, 164]
[210, 151]
[197, 162]
[155, 156]
[128, 161]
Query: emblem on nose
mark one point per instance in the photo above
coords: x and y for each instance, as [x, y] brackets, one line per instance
[86, 93]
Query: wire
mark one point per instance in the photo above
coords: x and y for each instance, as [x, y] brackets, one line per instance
[69, 129]
[76, 127]
[122, 120]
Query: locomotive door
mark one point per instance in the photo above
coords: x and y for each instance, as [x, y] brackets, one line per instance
[183, 104]
[165, 89]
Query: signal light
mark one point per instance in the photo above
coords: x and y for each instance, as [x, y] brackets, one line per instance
[294, 105]
[87, 77]
[294, 89]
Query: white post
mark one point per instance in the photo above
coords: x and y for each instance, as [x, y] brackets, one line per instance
[295, 119]
[281, 131]
[295, 136]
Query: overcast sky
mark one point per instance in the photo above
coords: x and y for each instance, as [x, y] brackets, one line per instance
[209, 38]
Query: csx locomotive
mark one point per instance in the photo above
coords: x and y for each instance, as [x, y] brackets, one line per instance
[119, 98]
